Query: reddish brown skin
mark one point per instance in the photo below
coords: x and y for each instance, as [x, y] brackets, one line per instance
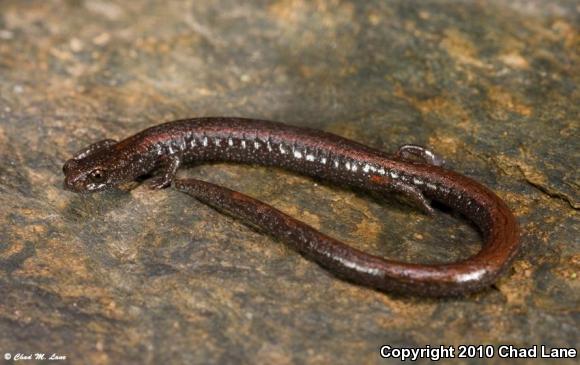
[106, 164]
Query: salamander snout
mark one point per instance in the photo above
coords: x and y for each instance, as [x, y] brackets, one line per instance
[80, 181]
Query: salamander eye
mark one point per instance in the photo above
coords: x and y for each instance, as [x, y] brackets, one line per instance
[97, 176]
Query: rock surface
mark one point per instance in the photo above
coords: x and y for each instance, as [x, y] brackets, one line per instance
[156, 277]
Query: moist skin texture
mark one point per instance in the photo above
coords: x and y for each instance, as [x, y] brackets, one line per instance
[108, 163]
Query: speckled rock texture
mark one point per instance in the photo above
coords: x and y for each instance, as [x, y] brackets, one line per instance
[151, 277]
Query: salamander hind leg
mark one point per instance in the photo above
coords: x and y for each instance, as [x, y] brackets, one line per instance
[408, 151]
[410, 192]
[414, 195]
[169, 167]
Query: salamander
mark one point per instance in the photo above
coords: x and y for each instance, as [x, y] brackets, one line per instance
[413, 171]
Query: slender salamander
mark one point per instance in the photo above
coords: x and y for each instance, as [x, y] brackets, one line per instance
[413, 171]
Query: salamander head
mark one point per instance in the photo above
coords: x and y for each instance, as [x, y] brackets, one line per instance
[84, 178]
[96, 168]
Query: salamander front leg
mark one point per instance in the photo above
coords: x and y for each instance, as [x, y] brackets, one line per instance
[169, 168]
[407, 151]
